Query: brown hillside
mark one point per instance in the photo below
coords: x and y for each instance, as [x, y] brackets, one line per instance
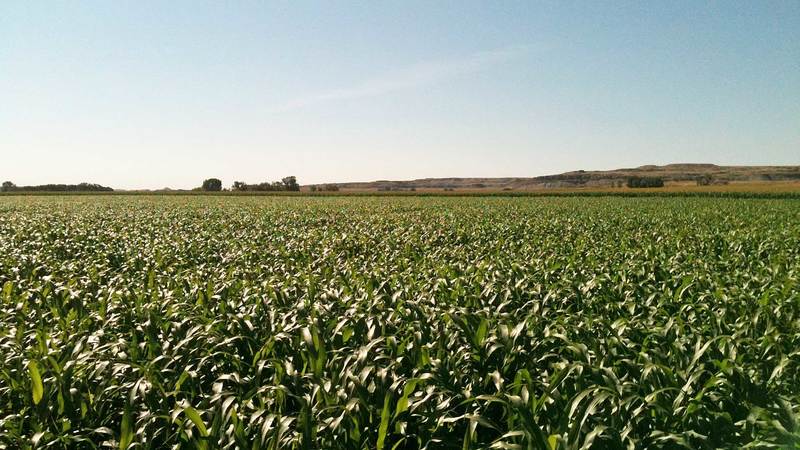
[672, 174]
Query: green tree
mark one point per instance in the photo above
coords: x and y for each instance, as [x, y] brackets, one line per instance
[290, 183]
[212, 184]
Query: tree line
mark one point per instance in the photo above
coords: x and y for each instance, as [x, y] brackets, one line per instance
[287, 184]
[8, 186]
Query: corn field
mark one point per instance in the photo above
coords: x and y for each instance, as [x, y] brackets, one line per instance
[399, 323]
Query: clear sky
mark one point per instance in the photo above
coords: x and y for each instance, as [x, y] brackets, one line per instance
[144, 94]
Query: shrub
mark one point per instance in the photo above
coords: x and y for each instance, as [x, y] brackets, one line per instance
[645, 182]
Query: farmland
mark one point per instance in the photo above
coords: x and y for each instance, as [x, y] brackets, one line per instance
[399, 322]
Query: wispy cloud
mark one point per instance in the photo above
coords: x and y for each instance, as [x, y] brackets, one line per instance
[407, 78]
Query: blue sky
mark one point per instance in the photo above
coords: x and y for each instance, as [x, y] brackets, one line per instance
[144, 94]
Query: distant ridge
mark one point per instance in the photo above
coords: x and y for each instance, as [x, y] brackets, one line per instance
[681, 173]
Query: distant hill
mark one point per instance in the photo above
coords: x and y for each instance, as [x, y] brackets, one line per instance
[672, 174]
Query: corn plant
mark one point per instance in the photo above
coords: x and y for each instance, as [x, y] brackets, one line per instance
[399, 323]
